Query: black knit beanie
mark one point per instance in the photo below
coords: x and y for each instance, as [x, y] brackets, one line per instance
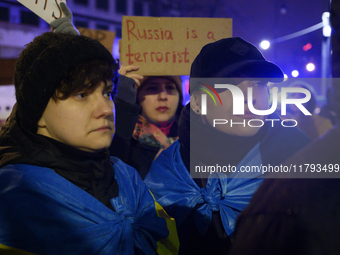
[223, 58]
[42, 66]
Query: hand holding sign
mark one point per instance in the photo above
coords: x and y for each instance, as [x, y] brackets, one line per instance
[47, 10]
[64, 25]
[128, 71]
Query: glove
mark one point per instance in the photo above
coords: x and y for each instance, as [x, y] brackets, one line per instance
[64, 25]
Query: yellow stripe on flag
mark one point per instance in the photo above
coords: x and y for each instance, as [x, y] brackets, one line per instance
[4, 249]
[170, 245]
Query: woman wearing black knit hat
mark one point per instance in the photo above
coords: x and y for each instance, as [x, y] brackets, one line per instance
[199, 179]
[60, 191]
[147, 110]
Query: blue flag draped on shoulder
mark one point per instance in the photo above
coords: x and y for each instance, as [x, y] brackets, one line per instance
[43, 213]
[177, 192]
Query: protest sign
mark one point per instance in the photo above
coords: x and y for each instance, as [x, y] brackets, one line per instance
[104, 37]
[167, 46]
[47, 10]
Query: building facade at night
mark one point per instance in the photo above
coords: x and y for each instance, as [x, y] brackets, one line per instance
[253, 22]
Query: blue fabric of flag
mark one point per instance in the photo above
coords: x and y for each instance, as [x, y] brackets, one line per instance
[43, 213]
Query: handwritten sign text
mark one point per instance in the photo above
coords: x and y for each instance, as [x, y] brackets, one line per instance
[167, 46]
[48, 10]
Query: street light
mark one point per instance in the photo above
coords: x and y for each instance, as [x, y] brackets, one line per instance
[295, 73]
[326, 30]
[310, 67]
[265, 44]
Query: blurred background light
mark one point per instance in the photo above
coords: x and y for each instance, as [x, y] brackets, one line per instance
[307, 47]
[285, 77]
[265, 44]
[310, 67]
[326, 30]
[295, 73]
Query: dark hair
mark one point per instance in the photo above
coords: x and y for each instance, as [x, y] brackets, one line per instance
[86, 75]
[49, 63]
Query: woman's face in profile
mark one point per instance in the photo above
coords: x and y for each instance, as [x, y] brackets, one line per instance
[159, 99]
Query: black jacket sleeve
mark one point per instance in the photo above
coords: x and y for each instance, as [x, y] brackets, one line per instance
[127, 113]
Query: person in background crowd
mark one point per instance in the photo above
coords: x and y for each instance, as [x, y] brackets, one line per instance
[148, 109]
[205, 208]
[60, 191]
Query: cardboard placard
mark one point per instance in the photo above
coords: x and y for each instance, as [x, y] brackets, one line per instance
[47, 10]
[104, 37]
[168, 46]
